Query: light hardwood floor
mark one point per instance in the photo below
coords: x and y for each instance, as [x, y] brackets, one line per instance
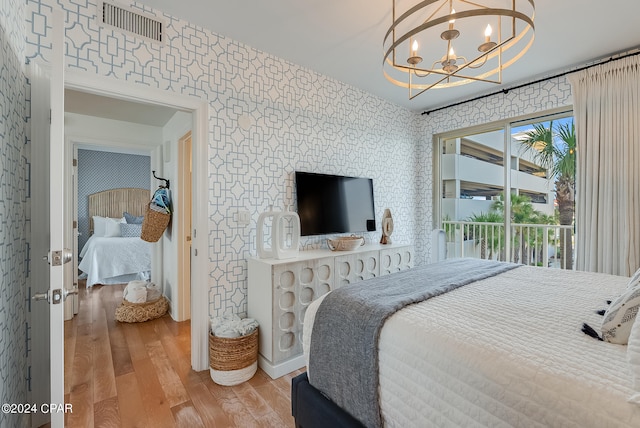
[139, 375]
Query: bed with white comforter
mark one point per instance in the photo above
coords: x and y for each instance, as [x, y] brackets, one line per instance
[115, 260]
[504, 351]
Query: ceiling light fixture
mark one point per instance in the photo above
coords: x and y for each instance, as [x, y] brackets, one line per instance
[419, 49]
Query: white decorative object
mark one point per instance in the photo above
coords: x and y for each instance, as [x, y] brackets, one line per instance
[266, 219]
[387, 227]
[279, 224]
[287, 220]
[279, 292]
[345, 243]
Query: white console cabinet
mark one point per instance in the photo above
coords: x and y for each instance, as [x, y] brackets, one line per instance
[280, 291]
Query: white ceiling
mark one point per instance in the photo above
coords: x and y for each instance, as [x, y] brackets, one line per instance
[343, 38]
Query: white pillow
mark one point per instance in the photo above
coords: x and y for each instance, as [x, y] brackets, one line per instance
[106, 226]
[620, 316]
[112, 227]
[633, 356]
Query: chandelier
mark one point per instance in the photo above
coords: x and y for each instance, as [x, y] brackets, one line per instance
[444, 43]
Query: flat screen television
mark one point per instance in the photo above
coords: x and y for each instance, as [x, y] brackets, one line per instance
[334, 204]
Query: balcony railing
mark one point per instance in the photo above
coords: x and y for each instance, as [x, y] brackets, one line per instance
[548, 245]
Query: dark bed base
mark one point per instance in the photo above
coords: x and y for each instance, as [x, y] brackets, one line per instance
[311, 409]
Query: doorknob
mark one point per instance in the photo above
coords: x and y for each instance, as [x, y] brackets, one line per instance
[68, 292]
[58, 258]
[58, 295]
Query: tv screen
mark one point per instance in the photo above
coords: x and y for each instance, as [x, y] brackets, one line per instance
[334, 204]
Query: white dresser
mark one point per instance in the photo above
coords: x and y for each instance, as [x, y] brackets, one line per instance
[280, 291]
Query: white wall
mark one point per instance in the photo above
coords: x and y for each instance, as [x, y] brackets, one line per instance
[175, 129]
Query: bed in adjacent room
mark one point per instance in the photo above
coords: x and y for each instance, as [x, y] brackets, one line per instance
[114, 252]
[501, 345]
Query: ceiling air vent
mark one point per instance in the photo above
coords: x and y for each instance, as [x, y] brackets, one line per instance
[131, 22]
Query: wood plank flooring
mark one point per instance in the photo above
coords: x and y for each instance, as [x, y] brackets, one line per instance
[139, 375]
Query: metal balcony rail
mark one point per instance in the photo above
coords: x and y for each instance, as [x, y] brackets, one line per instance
[548, 245]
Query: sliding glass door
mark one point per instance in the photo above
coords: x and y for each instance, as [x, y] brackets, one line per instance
[506, 191]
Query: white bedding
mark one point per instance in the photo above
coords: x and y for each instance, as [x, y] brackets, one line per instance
[505, 351]
[115, 260]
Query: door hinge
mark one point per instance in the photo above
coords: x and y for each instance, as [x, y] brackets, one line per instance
[75, 224]
[49, 116]
[75, 162]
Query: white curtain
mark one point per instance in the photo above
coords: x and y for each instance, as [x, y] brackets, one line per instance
[607, 119]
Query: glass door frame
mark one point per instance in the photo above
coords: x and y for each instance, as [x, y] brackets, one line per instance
[504, 125]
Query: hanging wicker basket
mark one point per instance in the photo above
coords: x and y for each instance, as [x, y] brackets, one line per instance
[154, 224]
[233, 360]
[141, 312]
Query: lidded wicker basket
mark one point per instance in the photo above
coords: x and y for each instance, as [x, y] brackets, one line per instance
[233, 360]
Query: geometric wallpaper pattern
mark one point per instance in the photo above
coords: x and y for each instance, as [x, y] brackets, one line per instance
[98, 171]
[14, 192]
[299, 120]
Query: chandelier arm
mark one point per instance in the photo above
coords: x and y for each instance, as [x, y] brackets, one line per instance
[412, 33]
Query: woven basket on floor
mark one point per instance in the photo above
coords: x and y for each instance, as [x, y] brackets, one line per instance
[141, 312]
[154, 224]
[233, 360]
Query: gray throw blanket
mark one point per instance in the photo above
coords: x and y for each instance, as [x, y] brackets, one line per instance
[343, 357]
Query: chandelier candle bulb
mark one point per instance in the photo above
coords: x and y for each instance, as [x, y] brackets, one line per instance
[487, 34]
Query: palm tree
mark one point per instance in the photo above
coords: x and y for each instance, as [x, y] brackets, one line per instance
[554, 148]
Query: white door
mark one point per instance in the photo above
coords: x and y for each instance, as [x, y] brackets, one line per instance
[57, 225]
[49, 292]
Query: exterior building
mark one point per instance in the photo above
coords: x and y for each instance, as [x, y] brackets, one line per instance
[472, 170]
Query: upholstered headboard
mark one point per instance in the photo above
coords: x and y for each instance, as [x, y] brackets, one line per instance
[114, 202]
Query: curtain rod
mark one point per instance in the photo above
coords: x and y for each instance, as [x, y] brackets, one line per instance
[506, 90]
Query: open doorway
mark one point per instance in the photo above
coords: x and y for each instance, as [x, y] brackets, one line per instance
[103, 131]
[119, 144]
[198, 111]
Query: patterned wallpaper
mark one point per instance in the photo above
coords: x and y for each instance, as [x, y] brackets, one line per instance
[538, 97]
[98, 171]
[14, 193]
[300, 120]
